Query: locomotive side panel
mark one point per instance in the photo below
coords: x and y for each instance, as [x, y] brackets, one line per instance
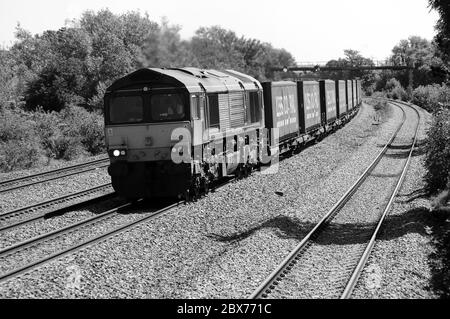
[309, 105]
[237, 111]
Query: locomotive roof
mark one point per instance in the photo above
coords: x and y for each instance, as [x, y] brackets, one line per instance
[192, 79]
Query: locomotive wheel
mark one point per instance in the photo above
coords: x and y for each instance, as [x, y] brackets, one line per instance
[193, 193]
[245, 171]
[239, 173]
[249, 170]
[205, 185]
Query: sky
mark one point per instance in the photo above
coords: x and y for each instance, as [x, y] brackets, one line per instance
[312, 30]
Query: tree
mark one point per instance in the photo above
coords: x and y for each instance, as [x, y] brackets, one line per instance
[167, 49]
[6, 78]
[422, 55]
[353, 59]
[62, 80]
[219, 48]
[216, 47]
[443, 27]
[118, 42]
[75, 64]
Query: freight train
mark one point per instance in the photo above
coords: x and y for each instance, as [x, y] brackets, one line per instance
[172, 132]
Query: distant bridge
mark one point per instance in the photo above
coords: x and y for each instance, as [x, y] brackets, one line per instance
[322, 66]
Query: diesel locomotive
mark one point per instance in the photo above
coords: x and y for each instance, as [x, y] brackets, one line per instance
[173, 131]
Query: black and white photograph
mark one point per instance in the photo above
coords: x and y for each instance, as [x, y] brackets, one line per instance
[224, 156]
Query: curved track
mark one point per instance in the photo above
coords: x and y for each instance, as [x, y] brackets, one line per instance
[348, 263]
[365, 256]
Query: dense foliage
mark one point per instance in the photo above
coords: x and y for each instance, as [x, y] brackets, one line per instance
[432, 97]
[28, 138]
[352, 59]
[74, 65]
[436, 98]
[443, 27]
[438, 152]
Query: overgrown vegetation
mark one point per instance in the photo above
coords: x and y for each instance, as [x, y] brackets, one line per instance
[432, 97]
[28, 138]
[438, 152]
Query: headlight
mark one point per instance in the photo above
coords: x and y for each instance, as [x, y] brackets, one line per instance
[118, 153]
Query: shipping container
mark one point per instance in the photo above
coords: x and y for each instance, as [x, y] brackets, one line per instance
[281, 108]
[359, 89]
[327, 101]
[349, 94]
[309, 105]
[341, 100]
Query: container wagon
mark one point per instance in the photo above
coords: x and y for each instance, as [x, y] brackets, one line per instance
[327, 101]
[309, 106]
[341, 100]
[348, 86]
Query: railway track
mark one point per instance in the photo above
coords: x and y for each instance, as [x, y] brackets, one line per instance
[24, 248]
[26, 215]
[329, 260]
[17, 183]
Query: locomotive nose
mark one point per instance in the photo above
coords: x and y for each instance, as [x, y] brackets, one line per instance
[118, 169]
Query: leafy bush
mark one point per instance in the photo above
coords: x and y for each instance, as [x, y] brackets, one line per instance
[394, 90]
[19, 146]
[432, 97]
[17, 154]
[437, 159]
[378, 95]
[28, 136]
[13, 126]
[87, 127]
[58, 138]
[399, 93]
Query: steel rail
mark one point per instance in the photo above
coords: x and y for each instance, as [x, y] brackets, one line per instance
[46, 204]
[58, 232]
[87, 242]
[57, 171]
[365, 256]
[272, 280]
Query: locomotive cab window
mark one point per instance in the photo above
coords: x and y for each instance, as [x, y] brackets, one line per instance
[254, 104]
[195, 107]
[126, 109]
[213, 106]
[167, 107]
